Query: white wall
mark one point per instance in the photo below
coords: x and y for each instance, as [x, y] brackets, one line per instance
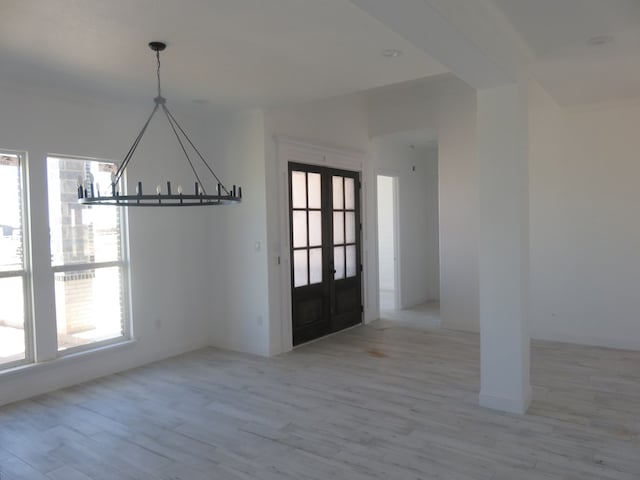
[585, 269]
[386, 233]
[583, 235]
[447, 105]
[169, 304]
[444, 104]
[236, 254]
[432, 214]
[582, 192]
[335, 122]
[417, 217]
[458, 174]
[346, 122]
[193, 270]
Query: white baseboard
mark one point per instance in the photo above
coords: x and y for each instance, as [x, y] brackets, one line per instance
[504, 404]
[628, 343]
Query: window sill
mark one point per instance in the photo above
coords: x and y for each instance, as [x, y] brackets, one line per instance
[70, 357]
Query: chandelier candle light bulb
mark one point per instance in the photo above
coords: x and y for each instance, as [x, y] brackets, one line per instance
[113, 185]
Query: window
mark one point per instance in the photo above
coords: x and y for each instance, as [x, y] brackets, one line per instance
[14, 327]
[86, 256]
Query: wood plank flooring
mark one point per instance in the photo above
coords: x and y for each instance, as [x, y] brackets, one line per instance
[376, 402]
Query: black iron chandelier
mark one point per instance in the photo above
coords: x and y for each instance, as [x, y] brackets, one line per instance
[90, 194]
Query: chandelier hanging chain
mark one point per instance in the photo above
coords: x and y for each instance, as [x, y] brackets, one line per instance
[184, 150]
[196, 150]
[133, 148]
[158, 72]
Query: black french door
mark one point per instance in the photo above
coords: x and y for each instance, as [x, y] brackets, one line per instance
[326, 263]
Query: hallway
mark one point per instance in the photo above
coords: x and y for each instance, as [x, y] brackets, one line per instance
[425, 315]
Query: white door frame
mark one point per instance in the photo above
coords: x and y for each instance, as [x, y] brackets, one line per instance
[287, 150]
[396, 236]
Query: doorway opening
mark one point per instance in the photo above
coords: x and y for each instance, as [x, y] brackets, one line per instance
[408, 228]
[387, 242]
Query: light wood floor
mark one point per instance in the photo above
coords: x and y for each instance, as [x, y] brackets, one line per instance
[424, 315]
[383, 401]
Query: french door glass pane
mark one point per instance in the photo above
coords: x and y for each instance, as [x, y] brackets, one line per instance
[351, 261]
[315, 265]
[338, 227]
[300, 268]
[350, 234]
[12, 337]
[307, 224]
[80, 234]
[11, 248]
[338, 261]
[315, 200]
[89, 306]
[338, 194]
[298, 190]
[299, 229]
[349, 194]
[315, 229]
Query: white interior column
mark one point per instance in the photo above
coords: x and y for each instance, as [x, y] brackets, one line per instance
[504, 247]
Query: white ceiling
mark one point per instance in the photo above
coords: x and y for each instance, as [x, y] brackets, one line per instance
[572, 71]
[419, 139]
[224, 52]
[238, 53]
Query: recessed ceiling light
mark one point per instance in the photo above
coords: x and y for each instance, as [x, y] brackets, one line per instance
[391, 53]
[599, 40]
